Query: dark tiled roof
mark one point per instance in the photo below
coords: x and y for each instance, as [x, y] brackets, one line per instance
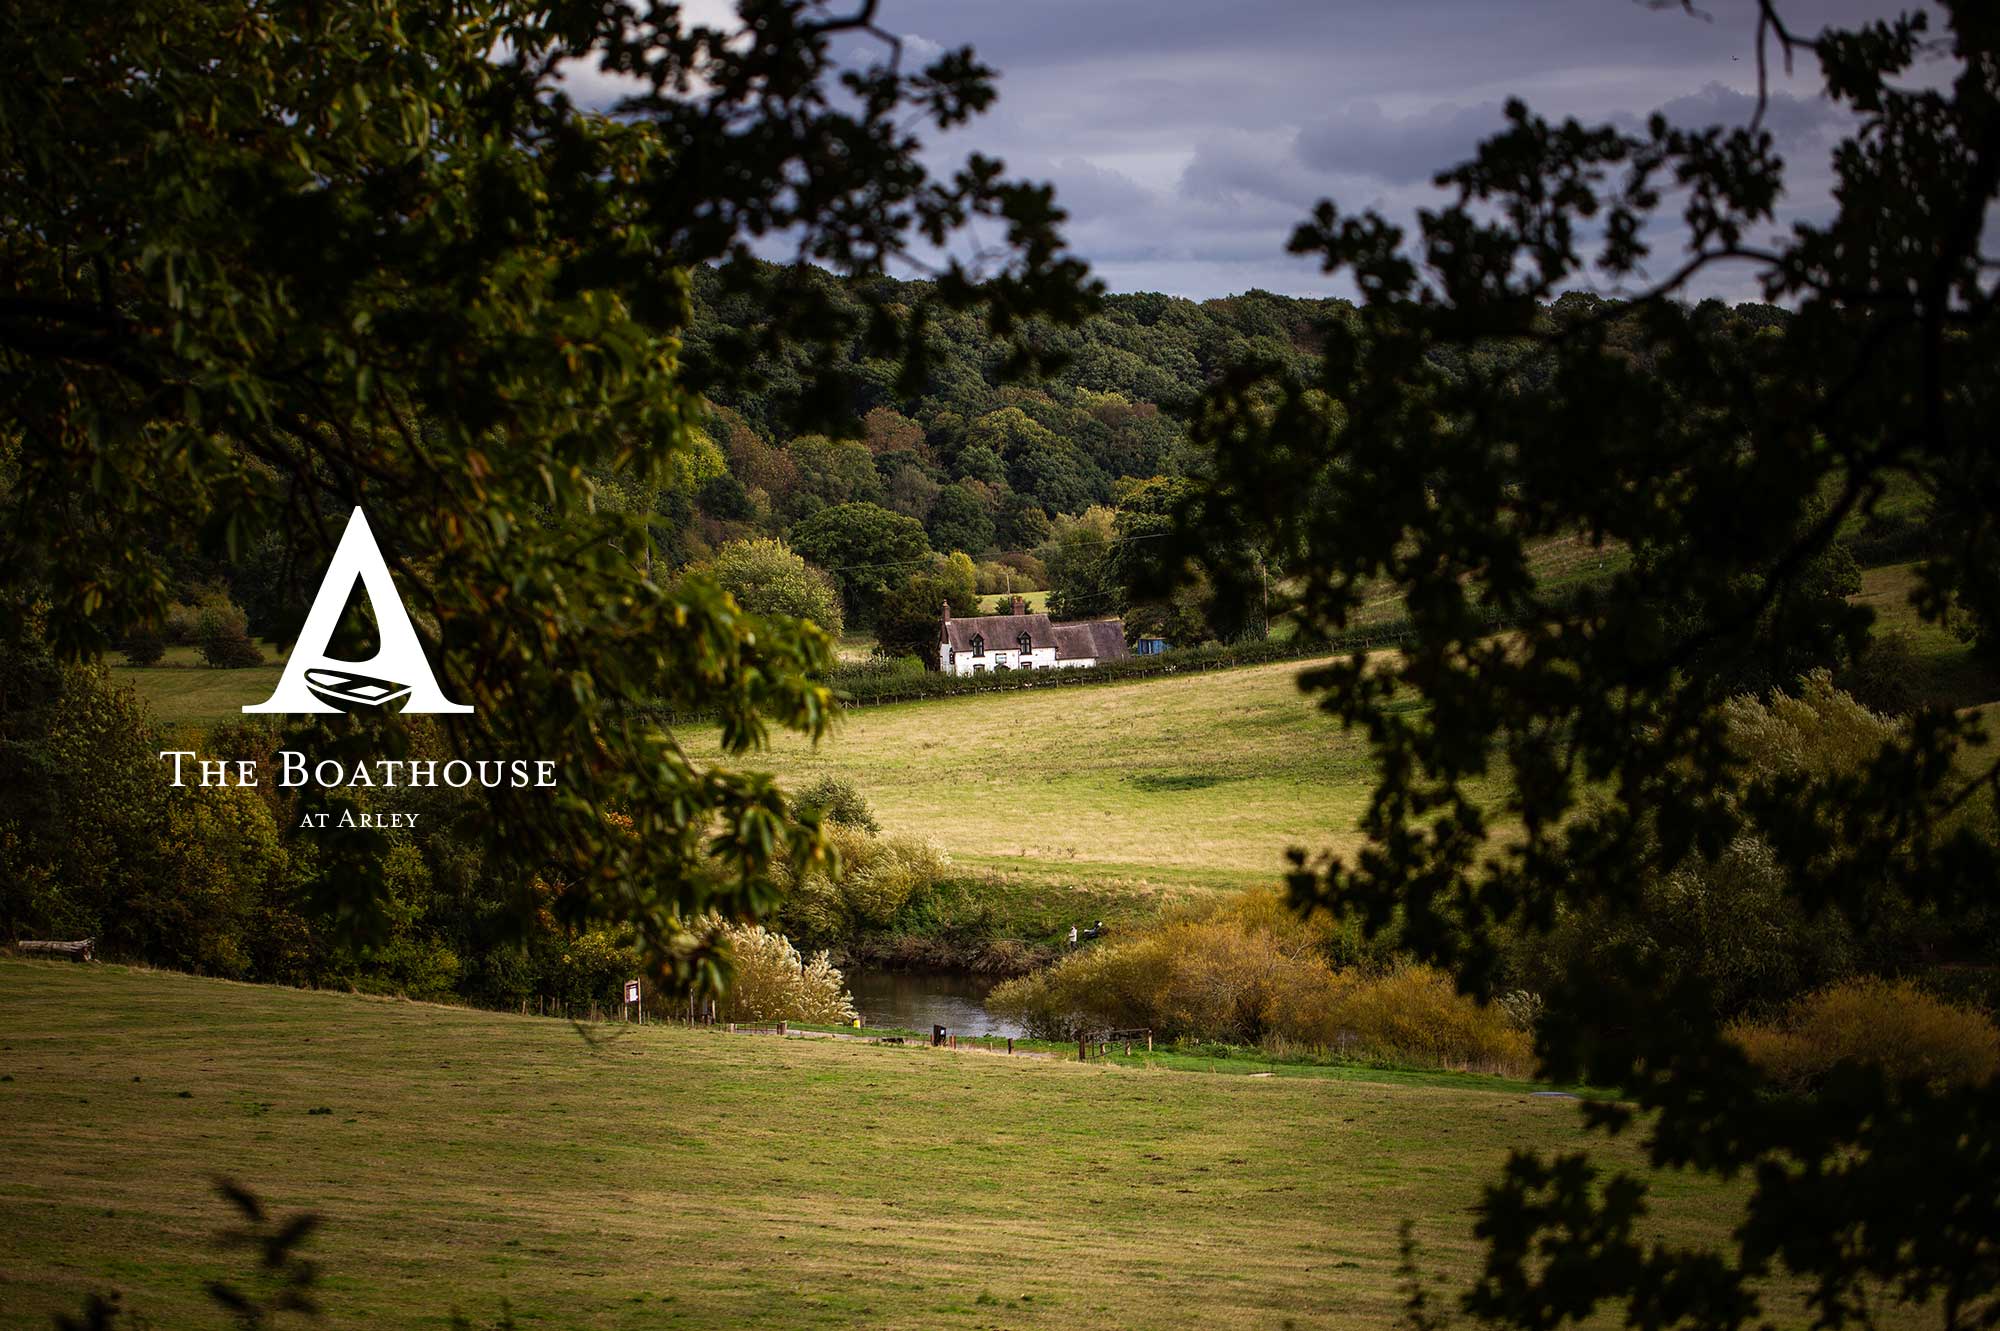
[1103, 639]
[1002, 632]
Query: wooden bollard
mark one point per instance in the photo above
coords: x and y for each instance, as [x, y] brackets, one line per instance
[781, 1028]
[1010, 1044]
[1128, 1047]
[1149, 1042]
[1082, 1050]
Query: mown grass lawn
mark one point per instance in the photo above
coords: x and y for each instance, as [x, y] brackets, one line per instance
[181, 691]
[671, 1178]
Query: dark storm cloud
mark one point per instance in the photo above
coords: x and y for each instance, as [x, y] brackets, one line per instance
[1188, 137]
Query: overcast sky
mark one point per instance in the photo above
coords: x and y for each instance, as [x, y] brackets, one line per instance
[1187, 137]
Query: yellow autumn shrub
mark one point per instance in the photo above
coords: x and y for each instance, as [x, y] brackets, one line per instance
[1415, 1014]
[1889, 1024]
[1250, 971]
[771, 981]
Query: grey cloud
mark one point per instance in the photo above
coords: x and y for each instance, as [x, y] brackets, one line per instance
[1187, 138]
[1087, 190]
[1361, 140]
[1788, 117]
[1231, 170]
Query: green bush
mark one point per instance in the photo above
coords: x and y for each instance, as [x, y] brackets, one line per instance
[590, 968]
[421, 968]
[1816, 730]
[1725, 922]
[1884, 672]
[768, 578]
[223, 632]
[145, 649]
[108, 848]
[837, 800]
[1887, 1024]
[1731, 923]
[207, 610]
[182, 620]
[226, 650]
[877, 877]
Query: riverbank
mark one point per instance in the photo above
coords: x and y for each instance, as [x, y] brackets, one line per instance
[1001, 923]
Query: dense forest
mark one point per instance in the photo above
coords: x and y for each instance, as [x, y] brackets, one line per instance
[978, 484]
[982, 482]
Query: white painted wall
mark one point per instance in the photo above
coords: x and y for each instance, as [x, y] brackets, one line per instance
[1012, 658]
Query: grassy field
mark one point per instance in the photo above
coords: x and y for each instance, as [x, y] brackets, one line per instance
[671, 1178]
[856, 647]
[184, 692]
[999, 602]
[1947, 672]
[1147, 788]
[1187, 782]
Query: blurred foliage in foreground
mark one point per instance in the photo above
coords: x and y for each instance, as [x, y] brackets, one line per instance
[264, 263]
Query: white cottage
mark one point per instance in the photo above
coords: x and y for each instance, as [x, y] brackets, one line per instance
[1021, 641]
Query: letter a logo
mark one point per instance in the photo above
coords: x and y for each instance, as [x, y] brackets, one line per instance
[315, 682]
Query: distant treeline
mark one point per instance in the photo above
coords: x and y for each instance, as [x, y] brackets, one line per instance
[1067, 484]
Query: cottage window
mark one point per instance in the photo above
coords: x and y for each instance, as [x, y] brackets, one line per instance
[978, 645]
[1027, 644]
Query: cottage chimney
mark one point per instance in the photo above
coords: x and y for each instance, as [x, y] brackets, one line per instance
[947, 610]
[1020, 606]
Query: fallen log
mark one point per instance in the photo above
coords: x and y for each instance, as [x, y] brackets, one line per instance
[81, 950]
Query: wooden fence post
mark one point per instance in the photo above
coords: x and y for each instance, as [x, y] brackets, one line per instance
[1010, 1044]
[1082, 1050]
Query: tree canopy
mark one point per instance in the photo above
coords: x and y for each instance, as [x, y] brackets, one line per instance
[261, 264]
[1462, 414]
[866, 548]
[769, 578]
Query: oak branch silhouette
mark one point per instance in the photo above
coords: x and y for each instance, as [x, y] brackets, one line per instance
[1474, 405]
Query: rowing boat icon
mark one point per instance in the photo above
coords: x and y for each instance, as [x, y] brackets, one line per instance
[347, 690]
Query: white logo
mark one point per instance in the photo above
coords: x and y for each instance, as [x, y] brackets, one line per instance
[315, 682]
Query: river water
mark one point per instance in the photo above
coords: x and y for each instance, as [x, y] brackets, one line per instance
[918, 1000]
